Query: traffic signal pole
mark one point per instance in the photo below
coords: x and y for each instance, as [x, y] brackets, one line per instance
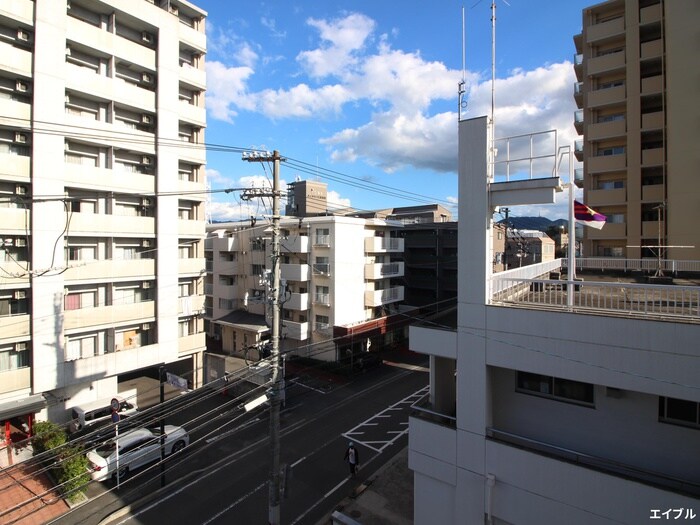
[276, 387]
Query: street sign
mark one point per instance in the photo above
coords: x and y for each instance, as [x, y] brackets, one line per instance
[114, 404]
[177, 381]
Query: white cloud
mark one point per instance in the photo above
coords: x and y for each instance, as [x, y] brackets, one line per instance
[335, 201]
[342, 38]
[301, 101]
[226, 87]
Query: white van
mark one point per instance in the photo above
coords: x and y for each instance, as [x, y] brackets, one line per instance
[98, 411]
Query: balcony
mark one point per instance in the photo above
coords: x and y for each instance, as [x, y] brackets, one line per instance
[605, 163]
[652, 85]
[117, 269]
[22, 10]
[87, 81]
[323, 269]
[15, 167]
[193, 266]
[650, 14]
[609, 231]
[192, 37]
[193, 114]
[224, 291]
[15, 60]
[612, 197]
[322, 298]
[653, 121]
[384, 270]
[15, 326]
[226, 267]
[14, 273]
[650, 229]
[295, 272]
[578, 66]
[19, 379]
[578, 121]
[578, 177]
[607, 130]
[109, 316]
[578, 149]
[652, 157]
[191, 305]
[298, 301]
[295, 244]
[193, 76]
[652, 49]
[607, 97]
[15, 112]
[296, 331]
[191, 228]
[608, 30]
[383, 244]
[97, 225]
[191, 344]
[578, 94]
[223, 244]
[381, 297]
[15, 221]
[653, 193]
[108, 179]
[606, 63]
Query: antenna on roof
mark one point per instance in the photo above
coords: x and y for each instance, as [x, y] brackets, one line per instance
[463, 82]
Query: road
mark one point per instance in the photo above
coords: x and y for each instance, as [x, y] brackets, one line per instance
[223, 476]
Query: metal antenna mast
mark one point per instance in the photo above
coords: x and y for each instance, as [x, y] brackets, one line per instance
[277, 379]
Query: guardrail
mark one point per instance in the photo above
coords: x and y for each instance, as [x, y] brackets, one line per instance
[423, 409]
[617, 263]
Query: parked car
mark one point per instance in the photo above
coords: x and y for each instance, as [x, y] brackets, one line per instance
[136, 449]
[98, 411]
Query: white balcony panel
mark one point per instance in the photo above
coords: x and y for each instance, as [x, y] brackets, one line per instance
[298, 301]
[295, 272]
[193, 76]
[22, 10]
[226, 267]
[102, 225]
[228, 292]
[383, 244]
[117, 136]
[606, 97]
[432, 341]
[380, 297]
[192, 152]
[384, 270]
[11, 380]
[191, 228]
[110, 43]
[14, 113]
[14, 326]
[432, 449]
[86, 81]
[192, 37]
[224, 244]
[115, 270]
[191, 344]
[605, 30]
[14, 273]
[295, 244]
[15, 167]
[193, 266]
[193, 114]
[189, 187]
[607, 163]
[109, 315]
[108, 179]
[14, 221]
[15, 60]
[191, 305]
[296, 331]
[605, 63]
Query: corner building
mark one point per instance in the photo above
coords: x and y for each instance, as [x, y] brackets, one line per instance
[101, 217]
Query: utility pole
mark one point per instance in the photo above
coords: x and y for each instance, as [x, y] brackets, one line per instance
[506, 211]
[276, 388]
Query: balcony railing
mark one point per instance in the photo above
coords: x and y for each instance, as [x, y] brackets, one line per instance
[424, 409]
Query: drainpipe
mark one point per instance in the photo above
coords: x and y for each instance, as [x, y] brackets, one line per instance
[490, 483]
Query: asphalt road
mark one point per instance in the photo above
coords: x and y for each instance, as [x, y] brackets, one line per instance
[222, 477]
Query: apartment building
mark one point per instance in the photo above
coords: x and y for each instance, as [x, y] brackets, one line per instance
[101, 129]
[528, 247]
[552, 402]
[339, 284]
[638, 115]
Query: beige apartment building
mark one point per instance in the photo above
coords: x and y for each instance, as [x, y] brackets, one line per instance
[636, 67]
[101, 223]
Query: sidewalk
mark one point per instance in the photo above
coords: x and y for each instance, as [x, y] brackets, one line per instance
[19, 485]
[386, 497]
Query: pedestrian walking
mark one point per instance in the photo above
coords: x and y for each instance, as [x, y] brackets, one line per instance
[352, 456]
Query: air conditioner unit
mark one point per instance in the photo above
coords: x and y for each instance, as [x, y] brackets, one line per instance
[146, 243]
[21, 86]
[146, 201]
[174, 10]
[147, 37]
[22, 35]
[9, 241]
[21, 138]
[67, 51]
[146, 285]
[146, 326]
[146, 119]
[68, 4]
[20, 243]
[20, 294]
[20, 189]
[21, 347]
[147, 77]
[146, 161]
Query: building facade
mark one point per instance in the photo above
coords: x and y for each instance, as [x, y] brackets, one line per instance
[639, 122]
[553, 402]
[101, 144]
[340, 277]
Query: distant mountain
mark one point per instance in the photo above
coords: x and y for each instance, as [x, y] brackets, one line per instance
[535, 223]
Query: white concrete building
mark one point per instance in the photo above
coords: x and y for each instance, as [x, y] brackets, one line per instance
[339, 289]
[553, 403]
[101, 153]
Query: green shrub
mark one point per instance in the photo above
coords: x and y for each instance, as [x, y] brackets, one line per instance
[47, 436]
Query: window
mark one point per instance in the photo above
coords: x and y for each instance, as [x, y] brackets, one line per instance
[80, 347]
[322, 323]
[258, 269]
[129, 338]
[322, 236]
[76, 300]
[611, 251]
[81, 252]
[555, 388]
[679, 412]
[185, 327]
[613, 150]
[611, 118]
[227, 280]
[12, 357]
[13, 303]
[322, 266]
[615, 218]
[322, 295]
[227, 304]
[611, 184]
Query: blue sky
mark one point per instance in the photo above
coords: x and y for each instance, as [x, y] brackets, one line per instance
[368, 89]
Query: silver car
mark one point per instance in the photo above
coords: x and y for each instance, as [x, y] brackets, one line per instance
[136, 449]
